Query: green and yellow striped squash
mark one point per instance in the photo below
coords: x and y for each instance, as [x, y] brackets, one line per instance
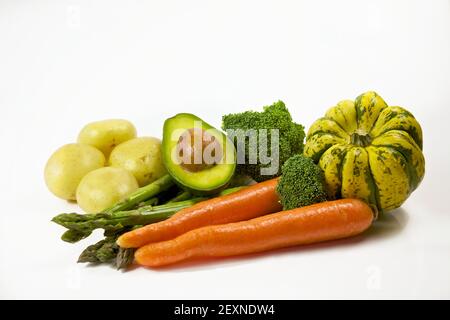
[368, 150]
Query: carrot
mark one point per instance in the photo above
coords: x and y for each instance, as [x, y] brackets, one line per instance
[316, 223]
[248, 203]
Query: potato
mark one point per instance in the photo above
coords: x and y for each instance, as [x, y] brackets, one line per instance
[141, 157]
[68, 165]
[102, 188]
[107, 134]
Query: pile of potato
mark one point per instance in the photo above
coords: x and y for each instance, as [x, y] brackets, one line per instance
[107, 163]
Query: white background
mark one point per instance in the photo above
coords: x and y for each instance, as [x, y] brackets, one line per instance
[66, 63]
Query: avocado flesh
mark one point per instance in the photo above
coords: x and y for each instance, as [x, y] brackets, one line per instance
[209, 180]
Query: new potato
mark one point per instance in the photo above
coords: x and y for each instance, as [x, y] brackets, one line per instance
[107, 134]
[141, 157]
[102, 188]
[68, 165]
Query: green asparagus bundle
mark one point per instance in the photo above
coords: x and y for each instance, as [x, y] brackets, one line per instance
[137, 210]
[116, 223]
[81, 225]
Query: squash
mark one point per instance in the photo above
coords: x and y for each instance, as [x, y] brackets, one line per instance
[368, 150]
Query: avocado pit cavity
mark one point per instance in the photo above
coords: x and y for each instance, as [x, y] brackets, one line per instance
[198, 150]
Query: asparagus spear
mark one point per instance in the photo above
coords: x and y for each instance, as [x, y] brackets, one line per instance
[183, 195]
[142, 194]
[231, 190]
[82, 225]
[107, 251]
[102, 251]
[124, 258]
[73, 236]
[150, 202]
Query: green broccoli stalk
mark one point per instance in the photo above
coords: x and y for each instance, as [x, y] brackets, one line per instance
[290, 142]
[301, 184]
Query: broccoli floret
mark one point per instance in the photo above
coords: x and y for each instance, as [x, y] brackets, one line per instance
[276, 116]
[302, 183]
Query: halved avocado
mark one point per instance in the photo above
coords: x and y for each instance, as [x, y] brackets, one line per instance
[200, 158]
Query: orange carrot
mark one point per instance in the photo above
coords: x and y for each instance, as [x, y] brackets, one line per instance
[316, 223]
[251, 202]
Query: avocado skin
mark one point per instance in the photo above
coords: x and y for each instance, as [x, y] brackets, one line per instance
[195, 192]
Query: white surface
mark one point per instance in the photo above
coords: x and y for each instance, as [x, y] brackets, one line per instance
[66, 63]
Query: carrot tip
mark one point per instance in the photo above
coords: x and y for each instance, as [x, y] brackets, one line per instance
[121, 243]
